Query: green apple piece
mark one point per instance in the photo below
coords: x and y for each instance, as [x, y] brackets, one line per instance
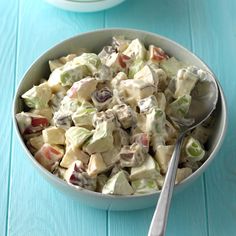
[102, 139]
[76, 136]
[38, 96]
[90, 60]
[136, 50]
[84, 116]
[149, 169]
[171, 66]
[118, 185]
[142, 186]
[136, 66]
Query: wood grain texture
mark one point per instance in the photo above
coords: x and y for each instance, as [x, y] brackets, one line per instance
[169, 19]
[8, 32]
[36, 208]
[215, 42]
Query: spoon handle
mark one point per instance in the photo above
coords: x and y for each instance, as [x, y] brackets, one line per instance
[159, 219]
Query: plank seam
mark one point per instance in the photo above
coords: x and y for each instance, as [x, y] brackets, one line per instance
[11, 128]
[203, 180]
[206, 203]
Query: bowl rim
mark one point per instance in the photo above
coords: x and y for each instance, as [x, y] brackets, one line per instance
[135, 196]
[85, 6]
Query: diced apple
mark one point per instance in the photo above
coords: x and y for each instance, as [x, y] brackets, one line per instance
[54, 135]
[45, 112]
[133, 155]
[157, 54]
[76, 175]
[38, 96]
[36, 142]
[118, 62]
[125, 115]
[185, 82]
[31, 123]
[96, 165]
[182, 174]
[148, 75]
[148, 169]
[48, 155]
[141, 139]
[118, 185]
[83, 89]
[136, 50]
[76, 136]
[110, 157]
[142, 186]
[137, 89]
[73, 154]
[163, 156]
[102, 139]
[54, 64]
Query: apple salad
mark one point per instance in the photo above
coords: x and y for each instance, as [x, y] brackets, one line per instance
[106, 122]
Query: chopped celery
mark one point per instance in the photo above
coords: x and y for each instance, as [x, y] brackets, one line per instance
[179, 108]
[194, 149]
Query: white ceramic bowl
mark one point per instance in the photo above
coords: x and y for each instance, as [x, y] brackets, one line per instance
[84, 5]
[94, 41]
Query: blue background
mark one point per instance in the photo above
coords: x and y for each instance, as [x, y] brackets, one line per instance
[28, 204]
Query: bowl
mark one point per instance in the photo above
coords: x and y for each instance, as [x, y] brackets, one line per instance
[84, 5]
[94, 41]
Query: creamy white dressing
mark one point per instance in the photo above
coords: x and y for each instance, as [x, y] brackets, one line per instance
[111, 129]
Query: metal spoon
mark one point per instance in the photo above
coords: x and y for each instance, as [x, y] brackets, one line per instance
[204, 100]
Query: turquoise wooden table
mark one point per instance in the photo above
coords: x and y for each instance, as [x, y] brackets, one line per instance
[29, 205]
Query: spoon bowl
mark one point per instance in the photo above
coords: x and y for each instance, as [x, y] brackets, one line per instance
[204, 100]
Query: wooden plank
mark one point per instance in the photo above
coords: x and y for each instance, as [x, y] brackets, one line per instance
[215, 43]
[8, 32]
[187, 212]
[36, 208]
